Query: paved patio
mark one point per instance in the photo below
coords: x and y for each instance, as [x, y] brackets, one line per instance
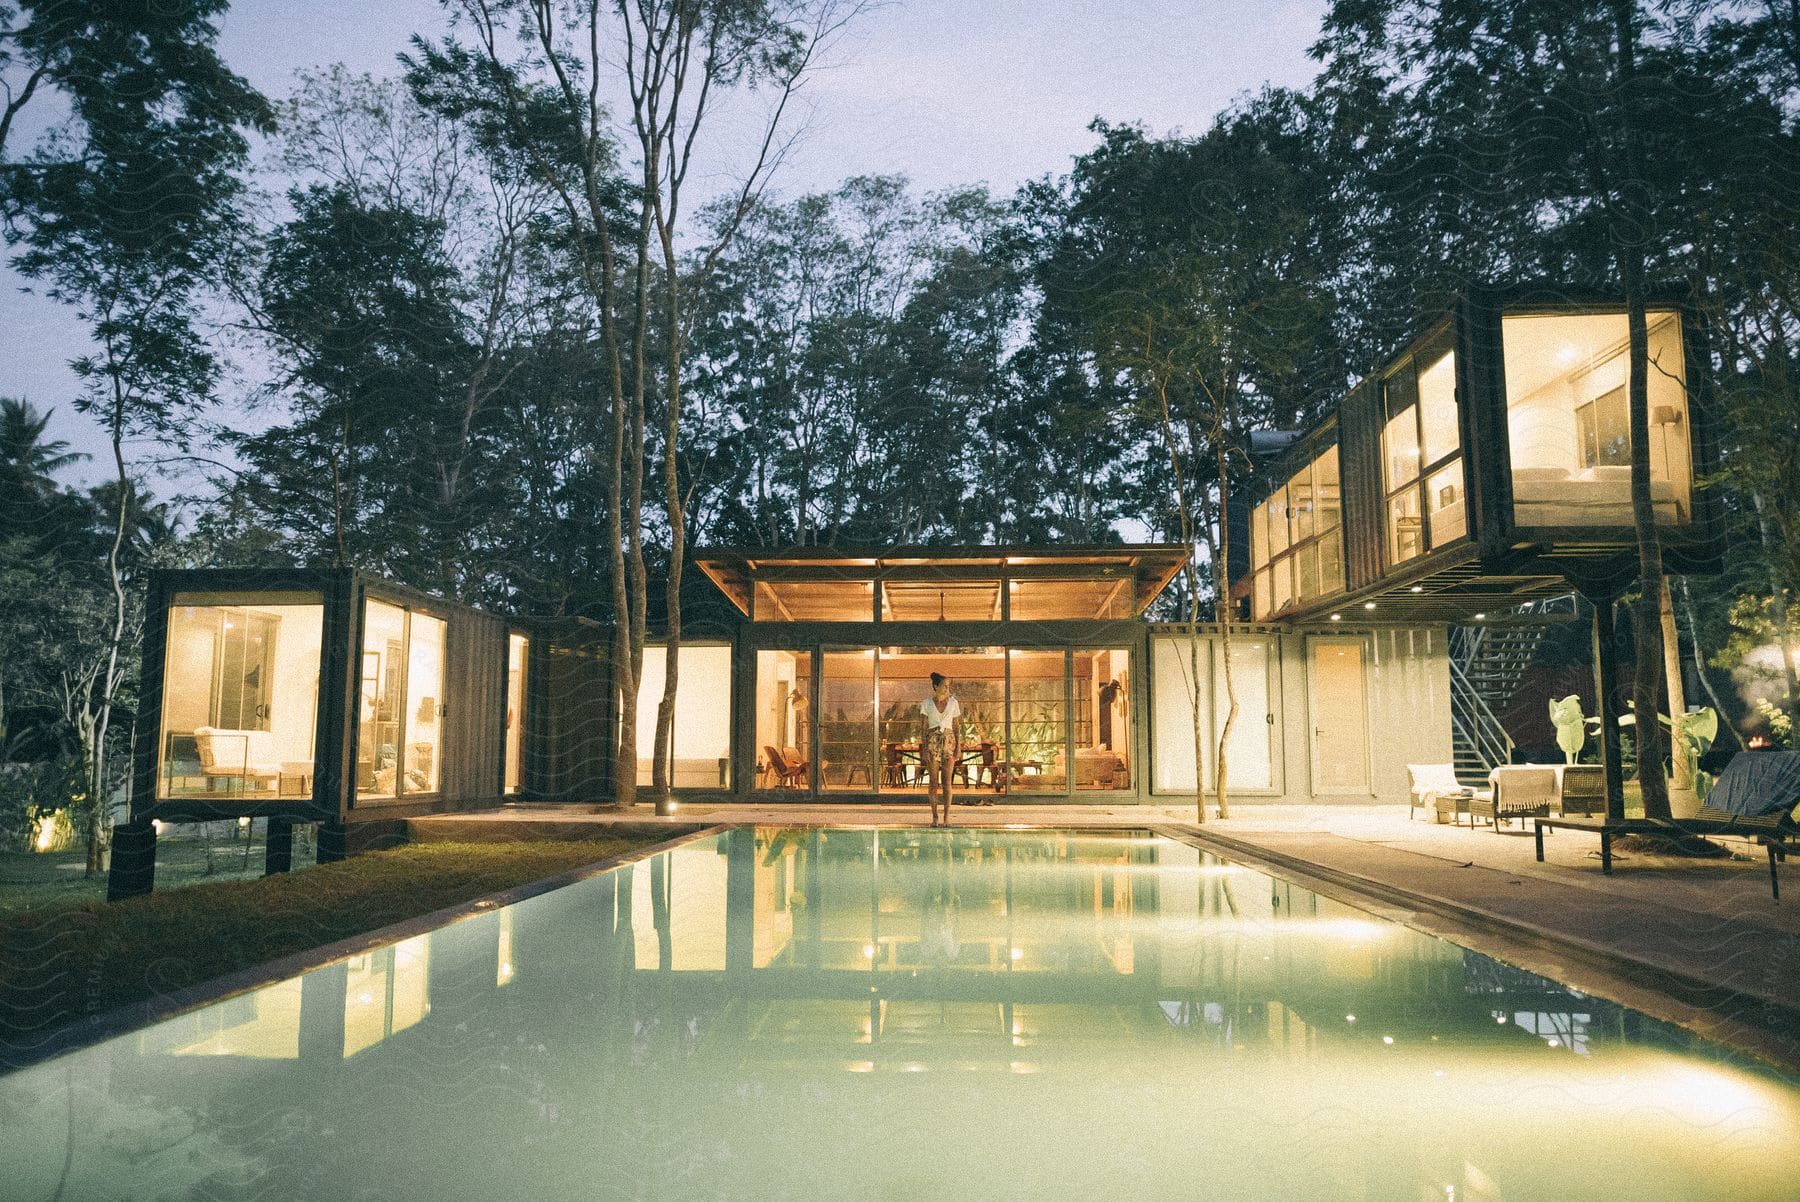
[1698, 942]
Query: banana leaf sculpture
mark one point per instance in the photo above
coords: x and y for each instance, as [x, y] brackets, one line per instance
[1693, 735]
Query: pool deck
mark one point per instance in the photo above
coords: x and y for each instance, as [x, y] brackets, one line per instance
[1698, 942]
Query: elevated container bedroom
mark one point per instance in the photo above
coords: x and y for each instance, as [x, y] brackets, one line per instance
[1486, 464]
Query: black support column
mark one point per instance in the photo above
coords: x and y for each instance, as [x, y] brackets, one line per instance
[133, 871]
[1605, 680]
[278, 846]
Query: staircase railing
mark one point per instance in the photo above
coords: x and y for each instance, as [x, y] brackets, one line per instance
[1473, 724]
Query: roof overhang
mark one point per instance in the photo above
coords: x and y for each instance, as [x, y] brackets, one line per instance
[1145, 568]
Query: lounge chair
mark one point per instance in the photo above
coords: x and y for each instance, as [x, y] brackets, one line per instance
[247, 756]
[1583, 789]
[789, 773]
[1520, 791]
[1756, 797]
[1431, 782]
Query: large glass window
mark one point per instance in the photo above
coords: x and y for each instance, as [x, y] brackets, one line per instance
[1297, 539]
[1041, 600]
[399, 743]
[424, 703]
[847, 740]
[1037, 722]
[1249, 752]
[240, 695]
[1569, 422]
[977, 678]
[700, 756]
[784, 720]
[518, 653]
[1422, 456]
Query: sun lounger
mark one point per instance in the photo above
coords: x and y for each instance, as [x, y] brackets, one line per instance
[1756, 797]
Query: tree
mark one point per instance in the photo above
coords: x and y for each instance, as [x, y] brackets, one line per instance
[544, 103]
[1189, 268]
[123, 213]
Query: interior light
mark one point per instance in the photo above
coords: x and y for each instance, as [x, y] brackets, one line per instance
[868, 951]
[244, 824]
[1337, 617]
[1417, 588]
[1481, 617]
[1368, 605]
[1500, 1018]
[1388, 1039]
[1018, 953]
[1349, 1018]
[156, 824]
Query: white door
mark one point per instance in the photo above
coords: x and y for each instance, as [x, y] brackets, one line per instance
[1340, 716]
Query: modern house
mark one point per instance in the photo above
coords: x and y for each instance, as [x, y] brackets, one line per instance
[1484, 466]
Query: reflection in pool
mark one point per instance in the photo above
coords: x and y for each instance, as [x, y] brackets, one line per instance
[907, 1014]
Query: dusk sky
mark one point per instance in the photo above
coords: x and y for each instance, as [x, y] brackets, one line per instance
[946, 92]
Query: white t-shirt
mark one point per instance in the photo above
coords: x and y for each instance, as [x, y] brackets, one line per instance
[944, 719]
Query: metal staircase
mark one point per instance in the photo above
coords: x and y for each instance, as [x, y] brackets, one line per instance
[1487, 662]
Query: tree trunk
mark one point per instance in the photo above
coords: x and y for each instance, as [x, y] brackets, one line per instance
[1671, 637]
[1630, 232]
[1222, 603]
[1687, 603]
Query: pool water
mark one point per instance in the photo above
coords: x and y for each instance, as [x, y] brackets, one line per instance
[778, 1013]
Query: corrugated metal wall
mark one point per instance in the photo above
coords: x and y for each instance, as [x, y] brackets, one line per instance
[475, 707]
[568, 720]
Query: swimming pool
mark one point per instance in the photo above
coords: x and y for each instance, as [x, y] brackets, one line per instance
[852, 1013]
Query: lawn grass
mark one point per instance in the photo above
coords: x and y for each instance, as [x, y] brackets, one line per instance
[44, 881]
[60, 963]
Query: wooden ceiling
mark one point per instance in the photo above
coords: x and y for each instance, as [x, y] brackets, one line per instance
[928, 584]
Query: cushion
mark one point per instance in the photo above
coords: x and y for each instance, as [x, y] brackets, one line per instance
[1758, 783]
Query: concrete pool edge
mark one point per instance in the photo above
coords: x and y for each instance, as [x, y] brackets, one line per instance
[98, 1028]
[1667, 994]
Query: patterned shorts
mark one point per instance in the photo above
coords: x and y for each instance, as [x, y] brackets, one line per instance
[940, 752]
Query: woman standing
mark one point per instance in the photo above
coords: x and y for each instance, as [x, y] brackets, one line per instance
[940, 742]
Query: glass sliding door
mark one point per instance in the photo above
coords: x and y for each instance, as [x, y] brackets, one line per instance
[847, 742]
[424, 704]
[518, 651]
[1249, 752]
[399, 741]
[1180, 683]
[382, 694]
[1037, 727]
[977, 678]
[1102, 727]
[784, 720]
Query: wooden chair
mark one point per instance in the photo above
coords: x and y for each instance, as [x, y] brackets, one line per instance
[893, 766]
[1583, 789]
[789, 774]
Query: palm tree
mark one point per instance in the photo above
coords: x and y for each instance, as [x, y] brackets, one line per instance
[27, 458]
